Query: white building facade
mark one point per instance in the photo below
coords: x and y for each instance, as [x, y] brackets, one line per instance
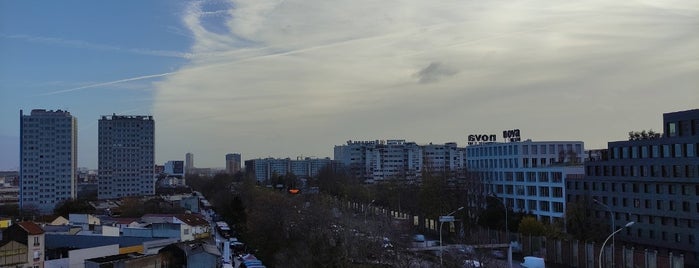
[48, 159]
[126, 156]
[379, 160]
[529, 176]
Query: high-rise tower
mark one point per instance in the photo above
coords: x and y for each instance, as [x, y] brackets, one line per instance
[188, 162]
[126, 156]
[48, 159]
[232, 163]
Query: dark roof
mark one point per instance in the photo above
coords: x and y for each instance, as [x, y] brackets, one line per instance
[89, 241]
[112, 258]
[192, 219]
[31, 228]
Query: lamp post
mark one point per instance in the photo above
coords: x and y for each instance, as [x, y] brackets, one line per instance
[601, 251]
[611, 216]
[442, 219]
[507, 230]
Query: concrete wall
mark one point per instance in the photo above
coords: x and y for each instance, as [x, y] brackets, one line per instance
[77, 257]
[110, 231]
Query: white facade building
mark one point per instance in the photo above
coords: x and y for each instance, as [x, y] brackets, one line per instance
[379, 160]
[48, 159]
[529, 176]
[126, 156]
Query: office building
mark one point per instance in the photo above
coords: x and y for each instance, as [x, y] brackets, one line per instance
[48, 159]
[188, 163]
[233, 162]
[653, 180]
[126, 156]
[528, 176]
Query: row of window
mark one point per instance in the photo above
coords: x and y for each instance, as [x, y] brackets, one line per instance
[668, 171]
[655, 151]
[629, 187]
[535, 205]
[527, 149]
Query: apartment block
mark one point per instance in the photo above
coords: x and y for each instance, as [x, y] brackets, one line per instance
[126, 156]
[48, 159]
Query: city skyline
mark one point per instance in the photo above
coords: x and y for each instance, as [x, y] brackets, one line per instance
[296, 78]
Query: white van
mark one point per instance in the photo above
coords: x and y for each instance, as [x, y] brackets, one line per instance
[533, 262]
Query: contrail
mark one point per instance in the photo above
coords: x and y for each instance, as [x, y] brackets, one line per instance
[106, 83]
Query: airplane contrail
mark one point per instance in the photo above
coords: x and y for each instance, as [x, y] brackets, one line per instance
[106, 83]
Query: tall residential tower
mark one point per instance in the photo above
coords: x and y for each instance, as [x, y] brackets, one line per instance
[48, 159]
[126, 156]
[233, 163]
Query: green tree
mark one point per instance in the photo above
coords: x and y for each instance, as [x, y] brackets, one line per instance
[531, 226]
[73, 206]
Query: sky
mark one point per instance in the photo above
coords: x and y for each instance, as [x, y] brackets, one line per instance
[289, 78]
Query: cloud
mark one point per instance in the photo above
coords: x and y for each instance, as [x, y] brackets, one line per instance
[298, 76]
[434, 72]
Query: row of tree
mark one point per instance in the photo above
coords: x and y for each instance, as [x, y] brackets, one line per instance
[303, 229]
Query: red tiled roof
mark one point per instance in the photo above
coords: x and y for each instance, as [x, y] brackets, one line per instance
[31, 227]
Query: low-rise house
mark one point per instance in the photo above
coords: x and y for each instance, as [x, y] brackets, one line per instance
[24, 243]
[192, 226]
[191, 254]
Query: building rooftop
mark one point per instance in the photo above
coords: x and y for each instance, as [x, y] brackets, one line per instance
[31, 227]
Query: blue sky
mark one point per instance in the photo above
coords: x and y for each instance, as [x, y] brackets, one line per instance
[290, 78]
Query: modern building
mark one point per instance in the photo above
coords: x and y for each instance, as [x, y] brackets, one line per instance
[233, 162]
[48, 159]
[126, 155]
[267, 168]
[529, 176]
[380, 160]
[188, 163]
[652, 180]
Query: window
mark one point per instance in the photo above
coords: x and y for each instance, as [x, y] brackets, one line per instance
[558, 207]
[532, 205]
[672, 129]
[544, 205]
[36, 241]
[544, 191]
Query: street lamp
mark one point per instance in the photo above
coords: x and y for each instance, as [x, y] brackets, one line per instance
[442, 219]
[507, 230]
[611, 216]
[599, 260]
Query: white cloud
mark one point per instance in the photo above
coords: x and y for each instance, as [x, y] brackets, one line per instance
[299, 76]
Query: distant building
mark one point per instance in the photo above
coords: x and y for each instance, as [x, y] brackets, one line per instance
[174, 172]
[380, 160]
[652, 180]
[126, 156]
[48, 159]
[265, 169]
[233, 162]
[188, 163]
[528, 176]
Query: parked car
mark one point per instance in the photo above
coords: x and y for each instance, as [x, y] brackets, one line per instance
[533, 262]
